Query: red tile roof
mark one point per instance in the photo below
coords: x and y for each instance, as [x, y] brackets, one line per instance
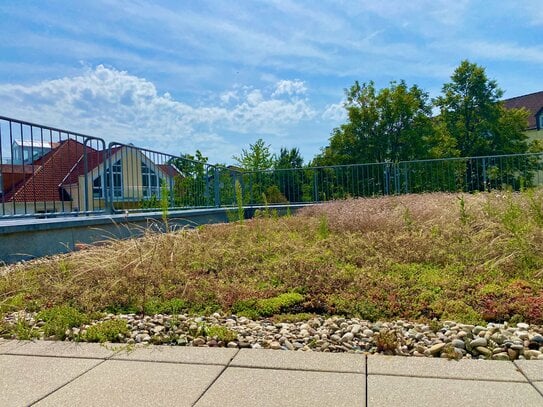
[94, 159]
[48, 173]
[532, 102]
[169, 170]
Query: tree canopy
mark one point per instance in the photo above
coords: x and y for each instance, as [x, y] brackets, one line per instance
[256, 157]
[392, 124]
[288, 159]
[471, 113]
[396, 123]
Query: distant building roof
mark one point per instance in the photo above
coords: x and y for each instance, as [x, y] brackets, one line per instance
[532, 102]
[47, 175]
[36, 144]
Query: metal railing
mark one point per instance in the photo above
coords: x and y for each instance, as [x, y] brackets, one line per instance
[42, 170]
[139, 179]
[46, 171]
[318, 184]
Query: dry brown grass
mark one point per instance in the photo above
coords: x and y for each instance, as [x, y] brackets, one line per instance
[471, 257]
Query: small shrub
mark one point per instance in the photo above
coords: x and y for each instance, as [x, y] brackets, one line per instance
[221, 333]
[450, 352]
[357, 308]
[21, 329]
[172, 306]
[267, 307]
[274, 195]
[60, 318]
[324, 230]
[387, 341]
[456, 310]
[107, 331]
[435, 326]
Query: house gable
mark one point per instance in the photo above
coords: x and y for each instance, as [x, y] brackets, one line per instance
[47, 174]
[532, 102]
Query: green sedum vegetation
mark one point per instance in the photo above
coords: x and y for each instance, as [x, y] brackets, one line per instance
[470, 258]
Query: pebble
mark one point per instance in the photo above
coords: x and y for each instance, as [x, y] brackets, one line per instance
[478, 342]
[320, 334]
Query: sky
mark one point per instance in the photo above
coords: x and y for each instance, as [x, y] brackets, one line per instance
[216, 76]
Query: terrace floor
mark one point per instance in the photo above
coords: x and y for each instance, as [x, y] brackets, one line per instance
[65, 373]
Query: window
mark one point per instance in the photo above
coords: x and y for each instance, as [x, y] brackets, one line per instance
[150, 181]
[540, 127]
[98, 184]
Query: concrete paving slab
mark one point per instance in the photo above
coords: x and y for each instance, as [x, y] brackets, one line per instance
[279, 359]
[7, 345]
[240, 387]
[415, 391]
[539, 386]
[25, 379]
[178, 354]
[444, 368]
[65, 349]
[126, 383]
[533, 369]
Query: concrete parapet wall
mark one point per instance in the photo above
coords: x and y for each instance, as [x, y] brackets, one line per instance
[25, 238]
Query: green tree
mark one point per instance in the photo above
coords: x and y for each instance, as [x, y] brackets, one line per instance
[473, 117]
[392, 124]
[472, 113]
[257, 162]
[258, 157]
[289, 175]
[193, 186]
[288, 159]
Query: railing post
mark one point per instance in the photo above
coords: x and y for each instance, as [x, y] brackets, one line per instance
[315, 187]
[484, 174]
[216, 187]
[387, 180]
[396, 178]
[406, 179]
[109, 190]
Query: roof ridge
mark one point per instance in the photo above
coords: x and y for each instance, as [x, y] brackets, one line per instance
[51, 155]
[522, 96]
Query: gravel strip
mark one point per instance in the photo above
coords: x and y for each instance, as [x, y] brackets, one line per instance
[446, 339]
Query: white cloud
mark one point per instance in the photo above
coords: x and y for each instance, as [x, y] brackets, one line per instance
[115, 105]
[335, 112]
[504, 51]
[290, 88]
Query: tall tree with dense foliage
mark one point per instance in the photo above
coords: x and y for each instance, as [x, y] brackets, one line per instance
[470, 111]
[288, 159]
[392, 124]
[290, 180]
[256, 157]
[191, 187]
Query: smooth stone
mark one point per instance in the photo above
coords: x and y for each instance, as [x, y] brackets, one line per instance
[287, 344]
[479, 342]
[531, 354]
[501, 356]
[436, 349]
[484, 351]
[513, 354]
[523, 326]
[458, 343]
[199, 341]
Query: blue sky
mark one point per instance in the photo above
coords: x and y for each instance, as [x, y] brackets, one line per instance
[217, 75]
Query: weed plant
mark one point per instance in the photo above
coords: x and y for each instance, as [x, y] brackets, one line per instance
[107, 331]
[471, 257]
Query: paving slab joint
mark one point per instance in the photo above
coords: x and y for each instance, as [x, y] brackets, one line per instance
[366, 378]
[216, 378]
[68, 382]
[519, 368]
